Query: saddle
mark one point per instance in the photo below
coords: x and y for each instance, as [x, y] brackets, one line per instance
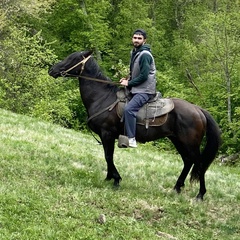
[153, 113]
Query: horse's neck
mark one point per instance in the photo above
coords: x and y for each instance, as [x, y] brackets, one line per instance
[95, 96]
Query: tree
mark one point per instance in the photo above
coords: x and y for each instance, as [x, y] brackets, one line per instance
[210, 39]
[25, 86]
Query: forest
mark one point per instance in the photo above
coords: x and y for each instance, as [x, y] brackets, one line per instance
[195, 43]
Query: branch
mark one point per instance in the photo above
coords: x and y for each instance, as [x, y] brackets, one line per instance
[192, 82]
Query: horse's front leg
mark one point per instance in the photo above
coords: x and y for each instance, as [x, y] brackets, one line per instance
[108, 146]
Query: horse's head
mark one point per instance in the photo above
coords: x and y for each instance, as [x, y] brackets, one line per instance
[71, 65]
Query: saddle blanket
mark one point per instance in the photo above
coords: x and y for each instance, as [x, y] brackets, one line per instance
[153, 113]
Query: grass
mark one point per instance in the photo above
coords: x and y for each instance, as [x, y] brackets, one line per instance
[52, 188]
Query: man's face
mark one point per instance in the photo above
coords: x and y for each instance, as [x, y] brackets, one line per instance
[138, 40]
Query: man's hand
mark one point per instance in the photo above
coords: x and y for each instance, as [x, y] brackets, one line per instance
[124, 81]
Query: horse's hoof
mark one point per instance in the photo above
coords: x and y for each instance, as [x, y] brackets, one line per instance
[199, 198]
[177, 189]
[108, 178]
[116, 183]
[116, 186]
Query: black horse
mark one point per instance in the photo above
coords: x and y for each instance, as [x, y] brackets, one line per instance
[186, 125]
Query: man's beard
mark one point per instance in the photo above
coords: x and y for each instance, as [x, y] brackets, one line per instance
[137, 45]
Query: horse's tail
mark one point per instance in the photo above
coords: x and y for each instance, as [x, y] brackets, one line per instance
[213, 142]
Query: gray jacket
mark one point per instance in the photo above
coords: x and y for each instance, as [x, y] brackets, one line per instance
[149, 85]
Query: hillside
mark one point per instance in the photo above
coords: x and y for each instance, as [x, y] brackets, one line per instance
[52, 187]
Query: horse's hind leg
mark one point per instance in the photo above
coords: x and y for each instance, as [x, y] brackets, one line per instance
[202, 189]
[190, 154]
[181, 179]
[198, 174]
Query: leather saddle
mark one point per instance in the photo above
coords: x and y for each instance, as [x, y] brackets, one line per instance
[153, 113]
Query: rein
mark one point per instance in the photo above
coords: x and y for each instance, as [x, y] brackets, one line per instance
[99, 80]
[65, 73]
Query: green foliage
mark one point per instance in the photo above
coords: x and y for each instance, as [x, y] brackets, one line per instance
[25, 86]
[127, 16]
[120, 70]
[22, 59]
[232, 134]
[210, 53]
[85, 25]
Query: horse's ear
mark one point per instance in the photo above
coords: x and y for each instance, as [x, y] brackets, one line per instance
[88, 53]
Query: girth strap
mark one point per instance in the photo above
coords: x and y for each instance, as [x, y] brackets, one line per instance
[109, 108]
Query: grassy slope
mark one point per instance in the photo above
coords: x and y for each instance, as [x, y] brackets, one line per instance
[52, 188]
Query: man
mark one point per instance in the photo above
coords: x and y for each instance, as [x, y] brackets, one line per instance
[141, 82]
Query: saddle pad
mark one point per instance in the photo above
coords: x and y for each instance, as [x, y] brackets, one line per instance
[155, 109]
[153, 122]
[150, 111]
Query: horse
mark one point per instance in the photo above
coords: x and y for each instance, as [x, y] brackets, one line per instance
[187, 125]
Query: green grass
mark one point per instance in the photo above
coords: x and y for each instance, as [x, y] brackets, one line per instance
[52, 187]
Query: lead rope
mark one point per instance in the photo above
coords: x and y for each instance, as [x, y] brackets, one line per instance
[98, 141]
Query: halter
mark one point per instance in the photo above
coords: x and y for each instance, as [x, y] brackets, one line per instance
[65, 73]
[83, 62]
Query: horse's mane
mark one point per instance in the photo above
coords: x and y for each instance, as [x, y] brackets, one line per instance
[97, 73]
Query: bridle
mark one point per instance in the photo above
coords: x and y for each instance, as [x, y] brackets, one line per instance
[83, 62]
[65, 73]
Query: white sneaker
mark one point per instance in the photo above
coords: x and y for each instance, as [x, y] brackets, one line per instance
[132, 142]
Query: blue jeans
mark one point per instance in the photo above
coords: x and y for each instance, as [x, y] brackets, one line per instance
[131, 110]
